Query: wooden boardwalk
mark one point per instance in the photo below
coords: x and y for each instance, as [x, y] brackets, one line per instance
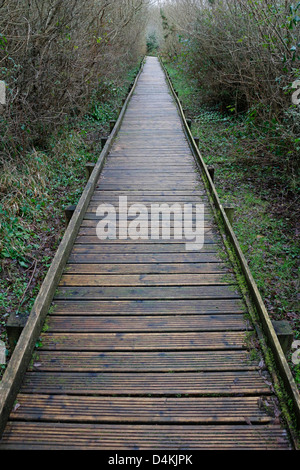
[146, 346]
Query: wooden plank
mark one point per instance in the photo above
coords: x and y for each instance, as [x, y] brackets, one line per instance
[150, 361]
[154, 199]
[183, 180]
[92, 215]
[159, 268]
[149, 292]
[144, 258]
[133, 192]
[146, 185]
[68, 436]
[86, 235]
[146, 307]
[131, 323]
[198, 410]
[93, 280]
[95, 246]
[148, 168]
[207, 340]
[177, 209]
[156, 384]
[92, 220]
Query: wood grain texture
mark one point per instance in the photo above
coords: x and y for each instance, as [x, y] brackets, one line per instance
[158, 384]
[143, 341]
[198, 410]
[150, 361]
[69, 436]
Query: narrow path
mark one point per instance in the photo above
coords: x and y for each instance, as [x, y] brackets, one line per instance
[146, 346]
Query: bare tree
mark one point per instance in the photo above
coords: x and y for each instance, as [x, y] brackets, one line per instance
[54, 53]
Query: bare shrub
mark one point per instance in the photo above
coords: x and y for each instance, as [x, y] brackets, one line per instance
[244, 56]
[54, 53]
[242, 52]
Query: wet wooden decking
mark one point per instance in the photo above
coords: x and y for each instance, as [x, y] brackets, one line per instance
[147, 345]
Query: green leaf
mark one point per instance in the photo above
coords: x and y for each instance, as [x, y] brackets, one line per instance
[24, 265]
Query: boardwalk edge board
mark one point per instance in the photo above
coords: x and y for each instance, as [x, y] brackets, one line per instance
[21, 356]
[266, 323]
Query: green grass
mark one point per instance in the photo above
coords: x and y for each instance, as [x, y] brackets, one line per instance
[248, 176]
